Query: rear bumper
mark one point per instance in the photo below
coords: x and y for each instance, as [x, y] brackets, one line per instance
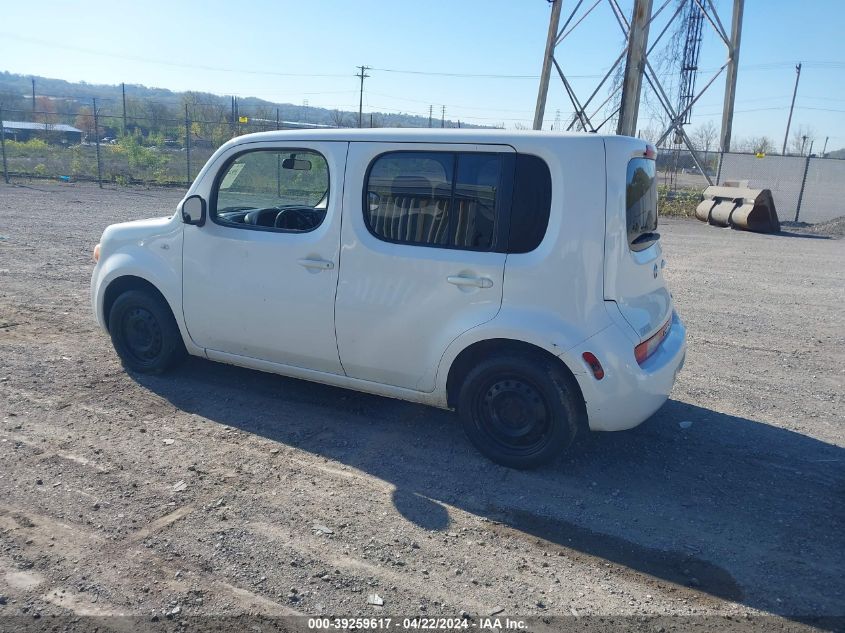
[629, 393]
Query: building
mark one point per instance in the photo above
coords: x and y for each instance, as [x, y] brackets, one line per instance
[50, 132]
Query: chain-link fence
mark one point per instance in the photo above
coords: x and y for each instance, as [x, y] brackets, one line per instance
[806, 189]
[164, 150]
[105, 148]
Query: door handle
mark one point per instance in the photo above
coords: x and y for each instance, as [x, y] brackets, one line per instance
[477, 282]
[319, 264]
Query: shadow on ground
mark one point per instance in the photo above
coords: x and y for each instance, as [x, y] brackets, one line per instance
[730, 507]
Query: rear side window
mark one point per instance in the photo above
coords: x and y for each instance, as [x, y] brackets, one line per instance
[641, 203]
[532, 202]
[445, 199]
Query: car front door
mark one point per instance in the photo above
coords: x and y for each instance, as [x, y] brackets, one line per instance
[422, 257]
[260, 276]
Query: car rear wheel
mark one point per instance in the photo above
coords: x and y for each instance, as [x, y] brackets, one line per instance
[520, 411]
[144, 332]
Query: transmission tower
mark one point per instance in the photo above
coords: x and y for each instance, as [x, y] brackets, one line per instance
[619, 101]
[694, 19]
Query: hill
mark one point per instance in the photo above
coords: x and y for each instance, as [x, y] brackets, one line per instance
[154, 109]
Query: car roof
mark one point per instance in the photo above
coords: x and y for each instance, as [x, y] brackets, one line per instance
[412, 135]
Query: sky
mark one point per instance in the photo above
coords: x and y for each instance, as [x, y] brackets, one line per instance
[479, 58]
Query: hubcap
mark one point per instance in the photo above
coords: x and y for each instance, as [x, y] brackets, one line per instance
[142, 334]
[513, 414]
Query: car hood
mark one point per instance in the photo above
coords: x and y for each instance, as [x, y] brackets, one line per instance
[137, 229]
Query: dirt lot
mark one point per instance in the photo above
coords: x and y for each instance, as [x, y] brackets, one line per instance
[218, 490]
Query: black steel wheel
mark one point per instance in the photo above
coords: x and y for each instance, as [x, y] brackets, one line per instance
[520, 411]
[144, 332]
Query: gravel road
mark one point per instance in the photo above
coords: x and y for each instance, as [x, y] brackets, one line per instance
[216, 490]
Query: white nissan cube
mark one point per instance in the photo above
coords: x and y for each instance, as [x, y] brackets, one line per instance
[515, 277]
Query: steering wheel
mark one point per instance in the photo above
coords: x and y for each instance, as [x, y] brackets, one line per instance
[295, 219]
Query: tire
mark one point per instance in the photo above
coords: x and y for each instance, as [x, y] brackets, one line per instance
[520, 411]
[144, 332]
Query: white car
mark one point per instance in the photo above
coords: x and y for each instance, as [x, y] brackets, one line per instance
[516, 277]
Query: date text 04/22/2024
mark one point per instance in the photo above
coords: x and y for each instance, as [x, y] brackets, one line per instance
[415, 623]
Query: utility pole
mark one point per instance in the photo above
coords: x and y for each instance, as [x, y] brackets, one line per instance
[824, 149]
[543, 90]
[3, 148]
[791, 107]
[730, 80]
[33, 98]
[430, 110]
[123, 90]
[362, 76]
[97, 141]
[188, 145]
[442, 116]
[232, 117]
[634, 67]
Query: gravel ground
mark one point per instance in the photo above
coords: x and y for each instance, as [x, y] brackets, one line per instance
[216, 490]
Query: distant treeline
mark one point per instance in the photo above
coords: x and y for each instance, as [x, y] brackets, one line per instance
[160, 113]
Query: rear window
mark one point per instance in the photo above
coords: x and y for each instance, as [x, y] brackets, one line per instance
[641, 203]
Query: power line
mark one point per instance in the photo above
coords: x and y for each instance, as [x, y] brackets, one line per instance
[162, 62]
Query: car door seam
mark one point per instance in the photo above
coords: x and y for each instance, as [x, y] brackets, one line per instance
[339, 251]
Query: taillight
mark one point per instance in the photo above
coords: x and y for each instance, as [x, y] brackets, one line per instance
[644, 350]
[594, 364]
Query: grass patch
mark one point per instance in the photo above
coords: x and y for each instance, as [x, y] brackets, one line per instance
[677, 202]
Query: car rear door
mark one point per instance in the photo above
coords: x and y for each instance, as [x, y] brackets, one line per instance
[633, 254]
[419, 261]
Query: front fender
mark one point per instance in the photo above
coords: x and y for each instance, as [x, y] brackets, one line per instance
[157, 260]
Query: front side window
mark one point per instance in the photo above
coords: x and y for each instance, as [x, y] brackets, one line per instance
[641, 203]
[442, 199]
[281, 190]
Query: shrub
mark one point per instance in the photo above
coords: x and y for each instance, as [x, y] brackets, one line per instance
[32, 145]
[677, 202]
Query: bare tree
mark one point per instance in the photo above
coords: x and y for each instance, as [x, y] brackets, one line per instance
[757, 145]
[651, 133]
[802, 138]
[704, 137]
[338, 118]
[704, 140]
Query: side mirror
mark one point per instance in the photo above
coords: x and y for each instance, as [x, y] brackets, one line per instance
[193, 211]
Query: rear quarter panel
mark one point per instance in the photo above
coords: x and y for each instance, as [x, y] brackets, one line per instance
[553, 296]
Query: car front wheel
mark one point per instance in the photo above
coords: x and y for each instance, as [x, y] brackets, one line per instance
[144, 332]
